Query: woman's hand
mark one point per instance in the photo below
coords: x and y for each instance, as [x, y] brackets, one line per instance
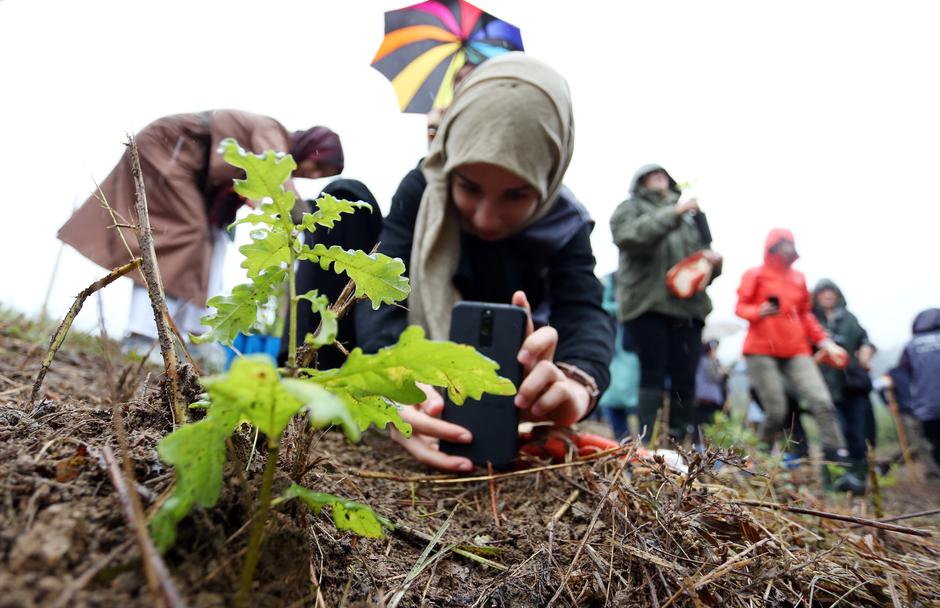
[687, 206]
[713, 257]
[864, 356]
[546, 393]
[768, 310]
[834, 350]
[428, 430]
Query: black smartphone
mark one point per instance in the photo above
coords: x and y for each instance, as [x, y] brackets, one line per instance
[774, 300]
[496, 331]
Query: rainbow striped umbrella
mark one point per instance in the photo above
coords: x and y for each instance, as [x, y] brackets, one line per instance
[427, 43]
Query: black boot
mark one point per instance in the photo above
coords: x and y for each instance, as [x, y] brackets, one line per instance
[650, 402]
[836, 475]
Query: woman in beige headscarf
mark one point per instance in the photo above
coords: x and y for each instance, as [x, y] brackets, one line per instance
[487, 219]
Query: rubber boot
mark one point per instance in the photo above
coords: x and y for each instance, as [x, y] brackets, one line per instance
[650, 402]
[836, 477]
[860, 469]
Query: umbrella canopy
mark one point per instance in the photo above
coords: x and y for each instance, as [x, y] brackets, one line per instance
[427, 43]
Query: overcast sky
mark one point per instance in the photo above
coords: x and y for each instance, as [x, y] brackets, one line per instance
[822, 117]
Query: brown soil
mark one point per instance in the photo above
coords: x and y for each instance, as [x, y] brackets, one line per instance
[60, 517]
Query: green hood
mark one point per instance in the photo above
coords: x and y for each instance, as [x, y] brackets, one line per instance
[637, 190]
[652, 238]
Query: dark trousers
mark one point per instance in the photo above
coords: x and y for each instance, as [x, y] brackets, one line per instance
[669, 348]
[704, 413]
[617, 418]
[932, 435]
[856, 419]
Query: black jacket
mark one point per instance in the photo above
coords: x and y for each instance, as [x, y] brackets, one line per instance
[355, 231]
[557, 277]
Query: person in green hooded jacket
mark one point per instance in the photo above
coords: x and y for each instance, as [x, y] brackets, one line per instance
[654, 232]
[850, 387]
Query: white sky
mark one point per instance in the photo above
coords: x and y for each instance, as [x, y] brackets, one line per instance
[823, 117]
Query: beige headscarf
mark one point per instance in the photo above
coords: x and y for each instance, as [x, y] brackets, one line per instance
[513, 111]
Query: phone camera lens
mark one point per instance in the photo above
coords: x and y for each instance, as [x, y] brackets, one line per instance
[486, 328]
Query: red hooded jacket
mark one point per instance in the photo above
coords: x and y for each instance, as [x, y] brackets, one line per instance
[794, 329]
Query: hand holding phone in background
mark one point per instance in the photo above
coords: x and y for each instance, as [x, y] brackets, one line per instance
[770, 307]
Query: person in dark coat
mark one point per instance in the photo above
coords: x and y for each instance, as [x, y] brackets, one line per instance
[359, 230]
[896, 383]
[849, 387]
[921, 360]
[487, 219]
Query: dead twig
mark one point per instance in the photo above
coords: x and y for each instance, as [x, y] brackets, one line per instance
[450, 479]
[404, 530]
[886, 520]
[155, 286]
[166, 591]
[871, 523]
[59, 336]
[489, 468]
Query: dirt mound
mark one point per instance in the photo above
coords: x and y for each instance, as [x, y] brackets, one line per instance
[594, 533]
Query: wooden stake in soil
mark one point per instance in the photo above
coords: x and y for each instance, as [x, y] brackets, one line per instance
[59, 336]
[155, 285]
[895, 411]
[151, 557]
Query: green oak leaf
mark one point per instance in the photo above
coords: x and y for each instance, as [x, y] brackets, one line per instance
[393, 371]
[368, 409]
[267, 249]
[328, 211]
[265, 175]
[323, 407]
[253, 219]
[253, 390]
[377, 276]
[236, 313]
[347, 515]
[197, 453]
[329, 325]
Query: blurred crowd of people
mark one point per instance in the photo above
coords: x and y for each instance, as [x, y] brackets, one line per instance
[804, 351]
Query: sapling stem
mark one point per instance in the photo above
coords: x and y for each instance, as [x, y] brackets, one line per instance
[292, 307]
[257, 530]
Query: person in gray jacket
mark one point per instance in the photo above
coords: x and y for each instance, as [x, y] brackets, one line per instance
[654, 232]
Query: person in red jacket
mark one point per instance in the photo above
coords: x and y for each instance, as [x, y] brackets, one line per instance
[774, 299]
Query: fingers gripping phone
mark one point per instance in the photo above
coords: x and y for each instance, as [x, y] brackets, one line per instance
[496, 331]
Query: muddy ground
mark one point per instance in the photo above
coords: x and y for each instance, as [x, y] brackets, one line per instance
[61, 518]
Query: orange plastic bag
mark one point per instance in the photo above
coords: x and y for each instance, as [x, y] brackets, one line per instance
[689, 276]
